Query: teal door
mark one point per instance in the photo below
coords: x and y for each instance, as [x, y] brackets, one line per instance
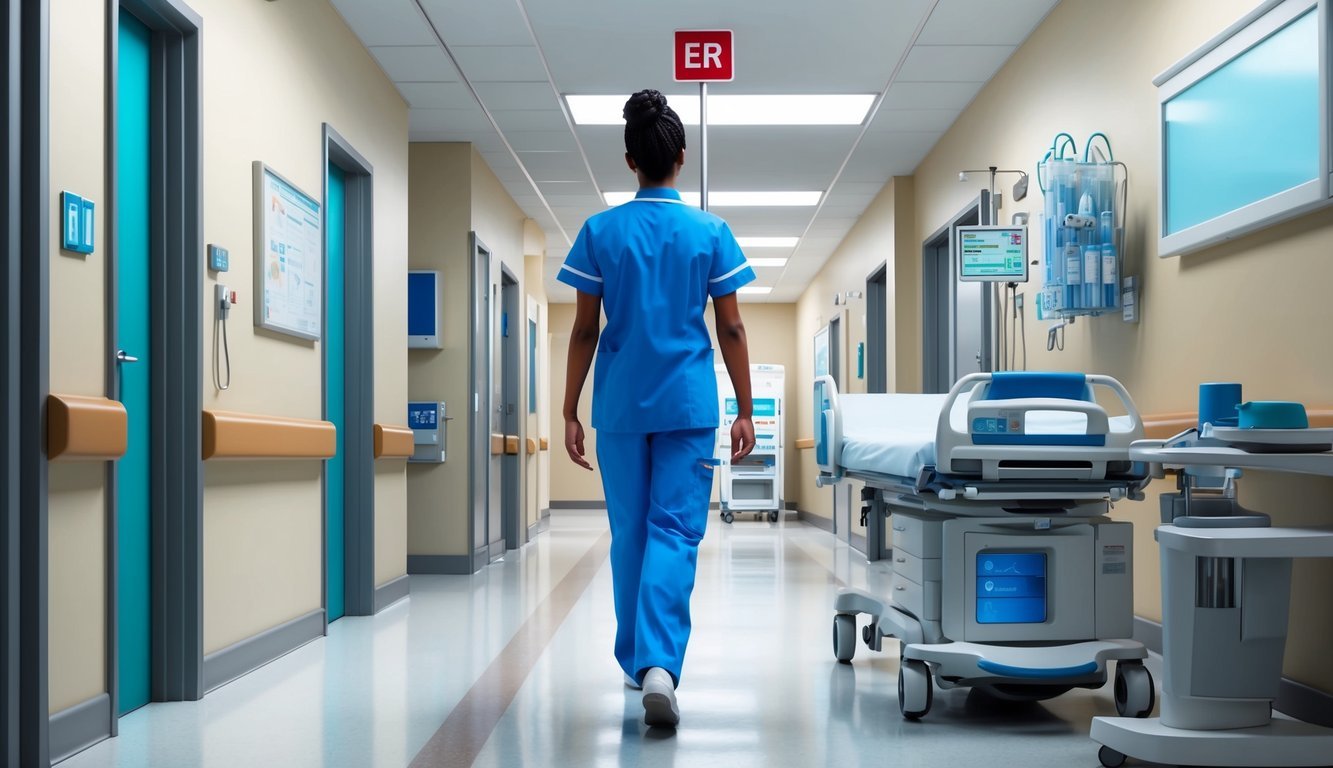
[336, 390]
[133, 320]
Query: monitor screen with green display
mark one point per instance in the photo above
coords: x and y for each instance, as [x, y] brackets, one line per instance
[993, 254]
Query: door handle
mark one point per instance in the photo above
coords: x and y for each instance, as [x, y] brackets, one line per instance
[122, 357]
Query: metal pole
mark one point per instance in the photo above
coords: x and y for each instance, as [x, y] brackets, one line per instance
[703, 146]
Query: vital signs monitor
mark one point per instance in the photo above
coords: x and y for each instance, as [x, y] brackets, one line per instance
[988, 254]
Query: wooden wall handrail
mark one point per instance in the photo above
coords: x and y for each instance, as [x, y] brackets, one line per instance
[85, 428]
[394, 442]
[805, 443]
[497, 445]
[545, 444]
[233, 435]
[511, 445]
[532, 446]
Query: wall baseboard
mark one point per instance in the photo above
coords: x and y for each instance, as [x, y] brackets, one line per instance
[578, 504]
[222, 667]
[822, 523]
[446, 565]
[1293, 698]
[546, 513]
[542, 525]
[392, 591]
[79, 727]
[858, 543]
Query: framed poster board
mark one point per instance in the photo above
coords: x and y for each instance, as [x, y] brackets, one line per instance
[289, 256]
[822, 352]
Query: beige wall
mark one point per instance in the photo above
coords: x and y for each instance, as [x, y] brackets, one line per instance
[262, 529]
[440, 203]
[453, 193]
[873, 241]
[770, 328]
[1233, 312]
[77, 567]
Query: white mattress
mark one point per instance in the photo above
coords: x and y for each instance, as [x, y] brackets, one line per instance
[895, 434]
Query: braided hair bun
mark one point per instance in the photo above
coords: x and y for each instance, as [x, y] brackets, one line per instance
[654, 135]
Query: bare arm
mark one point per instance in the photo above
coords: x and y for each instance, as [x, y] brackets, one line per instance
[582, 346]
[736, 354]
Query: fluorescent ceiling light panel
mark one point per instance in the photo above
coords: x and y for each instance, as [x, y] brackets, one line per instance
[768, 242]
[787, 199]
[767, 262]
[756, 290]
[735, 109]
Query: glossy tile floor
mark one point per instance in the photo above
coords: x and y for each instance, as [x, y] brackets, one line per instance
[512, 667]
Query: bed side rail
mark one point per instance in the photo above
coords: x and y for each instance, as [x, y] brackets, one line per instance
[828, 430]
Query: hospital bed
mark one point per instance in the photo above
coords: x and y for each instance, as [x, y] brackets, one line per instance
[1007, 573]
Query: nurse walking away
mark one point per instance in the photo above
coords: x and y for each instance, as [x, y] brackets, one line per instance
[653, 263]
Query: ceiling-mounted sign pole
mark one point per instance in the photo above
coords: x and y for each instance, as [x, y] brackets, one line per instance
[704, 56]
[703, 145]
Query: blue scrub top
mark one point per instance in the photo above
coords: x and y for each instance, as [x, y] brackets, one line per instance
[655, 261]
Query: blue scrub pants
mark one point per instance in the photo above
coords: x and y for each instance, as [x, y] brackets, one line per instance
[657, 493]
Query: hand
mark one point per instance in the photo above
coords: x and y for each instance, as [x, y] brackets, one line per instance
[742, 439]
[574, 443]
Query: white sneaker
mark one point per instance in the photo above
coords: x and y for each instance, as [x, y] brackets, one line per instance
[631, 683]
[659, 699]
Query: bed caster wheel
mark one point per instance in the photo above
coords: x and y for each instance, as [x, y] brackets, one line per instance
[844, 637]
[915, 689]
[1134, 690]
[1110, 758]
[728, 518]
[773, 516]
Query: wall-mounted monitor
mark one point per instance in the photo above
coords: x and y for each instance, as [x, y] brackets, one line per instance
[425, 307]
[1244, 128]
[989, 254]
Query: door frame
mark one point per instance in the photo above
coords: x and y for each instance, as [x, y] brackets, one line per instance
[977, 210]
[24, 323]
[177, 286]
[358, 379]
[479, 417]
[511, 365]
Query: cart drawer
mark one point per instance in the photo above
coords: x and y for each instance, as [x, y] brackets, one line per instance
[916, 536]
[920, 570]
[922, 601]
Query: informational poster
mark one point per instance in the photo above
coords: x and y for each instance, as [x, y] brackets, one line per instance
[822, 352]
[289, 253]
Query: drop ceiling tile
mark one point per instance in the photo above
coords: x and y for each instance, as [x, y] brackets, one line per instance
[542, 141]
[931, 95]
[450, 122]
[934, 120]
[415, 63]
[437, 95]
[530, 119]
[962, 22]
[562, 166]
[385, 22]
[469, 22]
[500, 63]
[517, 96]
[953, 63]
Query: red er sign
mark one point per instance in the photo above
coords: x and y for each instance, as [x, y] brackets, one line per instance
[704, 56]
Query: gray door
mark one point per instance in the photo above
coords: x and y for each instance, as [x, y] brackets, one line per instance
[877, 330]
[511, 338]
[957, 335]
[495, 540]
[479, 418]
[969, 355]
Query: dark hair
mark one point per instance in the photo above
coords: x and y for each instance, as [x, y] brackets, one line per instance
[654, 135]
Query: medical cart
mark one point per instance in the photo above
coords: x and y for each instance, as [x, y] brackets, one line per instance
[1226, 586]
[755, 483]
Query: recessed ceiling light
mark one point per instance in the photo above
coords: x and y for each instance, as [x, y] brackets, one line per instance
[767, 262]
[756, 290]
[734, 199]
[735, 109]
[768, 242]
